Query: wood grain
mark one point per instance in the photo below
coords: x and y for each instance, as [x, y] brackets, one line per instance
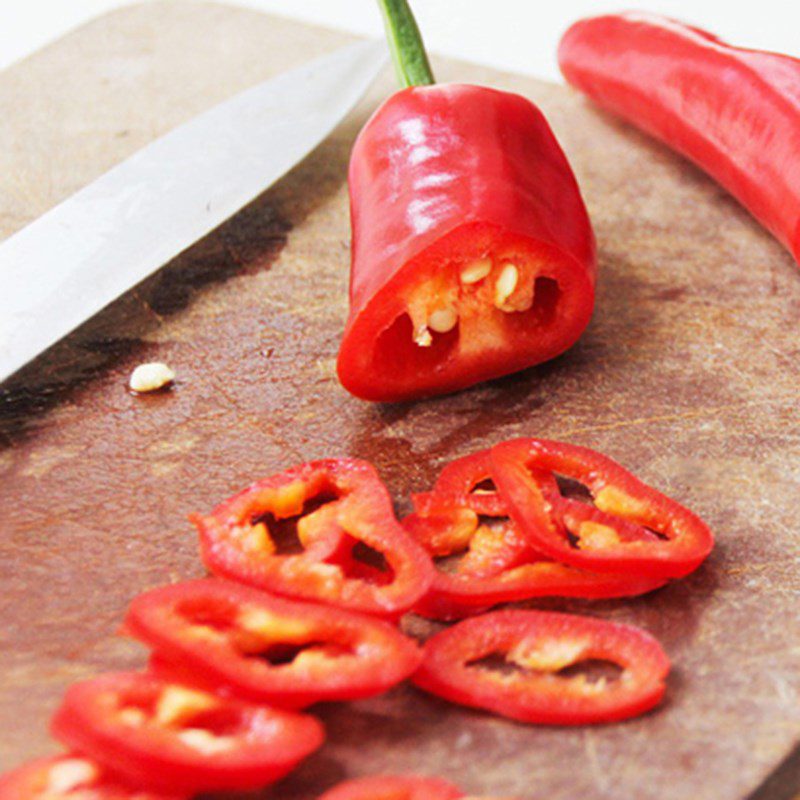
[688, 375]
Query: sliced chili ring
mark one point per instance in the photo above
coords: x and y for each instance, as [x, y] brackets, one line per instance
[263, 648]
[236, 542]
[606, 537]
[170, 738]
[460, 483]
[500, 567]
[544, 644]
[500, 564]
[70, 777]
[393, 787]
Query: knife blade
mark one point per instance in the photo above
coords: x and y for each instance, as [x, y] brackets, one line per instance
[85, 252]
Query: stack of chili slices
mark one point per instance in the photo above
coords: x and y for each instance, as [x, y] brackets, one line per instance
[231, 665]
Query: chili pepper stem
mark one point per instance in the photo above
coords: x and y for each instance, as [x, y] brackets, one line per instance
[405, 44]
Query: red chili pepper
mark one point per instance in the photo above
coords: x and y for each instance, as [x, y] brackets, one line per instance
[393, 787]
[236, 540]
[733, 112]
[473, 255]
[542, 646]
[499, 564]
[465, 482]
[168, 737]
[69, 777]
[629, 529]
[286, 653]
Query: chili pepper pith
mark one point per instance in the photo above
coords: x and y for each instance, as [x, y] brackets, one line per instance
[734, 112]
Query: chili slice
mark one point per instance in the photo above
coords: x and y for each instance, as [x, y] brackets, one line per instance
[236, 540]
[264, 648]
[171, 738]
[70, 777]
[499, 564]
[631, 528]
[465, 482]
[543, 645]
[393, 787]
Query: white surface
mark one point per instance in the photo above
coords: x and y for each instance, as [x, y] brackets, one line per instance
[518, 35]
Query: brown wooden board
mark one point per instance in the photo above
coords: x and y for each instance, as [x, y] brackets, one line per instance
[688, 375]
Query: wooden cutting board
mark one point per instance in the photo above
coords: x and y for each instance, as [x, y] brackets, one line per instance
[688, 375]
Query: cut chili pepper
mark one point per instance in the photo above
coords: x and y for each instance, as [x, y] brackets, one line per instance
[472, 252]
[393, 787]
[542, 649]
[465, 482]
[629, 529]
[236, 540]
[496, 562]
[71, 777]
[171, 738]
[734, 112]
[286, 653]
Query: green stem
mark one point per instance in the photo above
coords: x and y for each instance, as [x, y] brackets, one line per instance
[406, 45]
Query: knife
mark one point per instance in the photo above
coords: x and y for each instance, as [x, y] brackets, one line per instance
[74, 260]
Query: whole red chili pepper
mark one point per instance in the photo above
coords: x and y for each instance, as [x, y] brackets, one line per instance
[473, 255]
[734, 112]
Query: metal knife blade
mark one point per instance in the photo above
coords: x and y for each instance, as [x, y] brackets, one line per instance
[74, 260]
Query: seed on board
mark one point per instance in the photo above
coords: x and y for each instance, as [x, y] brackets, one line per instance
[443, 319]
[151, 377]
[506, 283]
[476, 271]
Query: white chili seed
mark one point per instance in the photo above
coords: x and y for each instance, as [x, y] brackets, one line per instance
[476, 271]
[506, 283]
[151, 377]
[443, 319]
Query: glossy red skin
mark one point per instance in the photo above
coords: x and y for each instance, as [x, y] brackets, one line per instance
[393, 787]
[448, 170]
[733, 112]
[363, 512]
[544, 699]
[546, 518]
[270, 743]
[516, 571]
[457, 484]
[366, 656]
[30, 782]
